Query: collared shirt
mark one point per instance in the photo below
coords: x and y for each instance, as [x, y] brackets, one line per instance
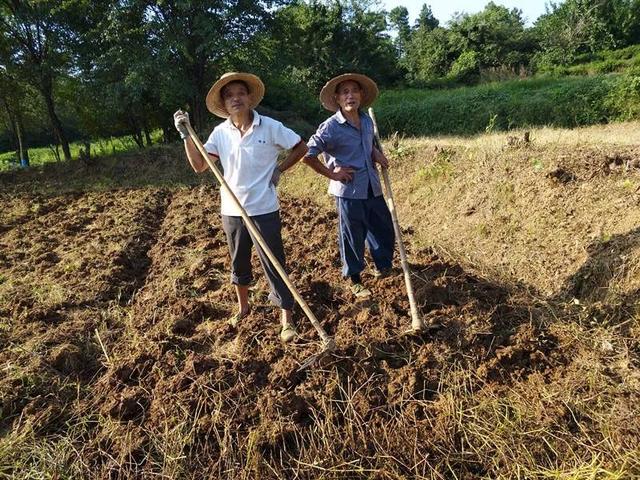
[249, 161]
[344, 145]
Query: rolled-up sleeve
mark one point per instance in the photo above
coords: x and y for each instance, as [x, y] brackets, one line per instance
[319, 141]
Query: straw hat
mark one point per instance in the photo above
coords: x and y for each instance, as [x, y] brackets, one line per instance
[214, 100]
[328, 92]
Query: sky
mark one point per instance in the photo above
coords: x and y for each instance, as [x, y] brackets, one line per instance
[444, 9]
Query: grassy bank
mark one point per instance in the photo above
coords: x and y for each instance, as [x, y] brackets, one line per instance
[606, 61]
[561, 102]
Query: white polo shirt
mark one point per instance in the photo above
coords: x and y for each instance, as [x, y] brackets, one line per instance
[249, 161]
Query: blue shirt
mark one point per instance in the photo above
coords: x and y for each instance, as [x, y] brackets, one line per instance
[344, 145]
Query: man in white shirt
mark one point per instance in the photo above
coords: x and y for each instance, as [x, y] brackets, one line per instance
[247, 145]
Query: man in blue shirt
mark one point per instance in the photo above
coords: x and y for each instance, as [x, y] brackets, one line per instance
[346, 141]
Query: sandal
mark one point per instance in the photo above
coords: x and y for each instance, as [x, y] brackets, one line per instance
[380, 274]
[288, 333]
[360, 291]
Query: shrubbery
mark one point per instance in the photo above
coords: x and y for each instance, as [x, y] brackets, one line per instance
[625, 98]
[566, 102]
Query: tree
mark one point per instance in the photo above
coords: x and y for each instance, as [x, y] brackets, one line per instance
[195, 41]
[426, 19]
[431, 53]
[315, 41]
[497, 35]
[399, 20]
[120, 76]
[11, 97]
[579, 27]
[37, 33]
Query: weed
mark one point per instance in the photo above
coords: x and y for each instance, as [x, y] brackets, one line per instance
[483, 230]
[505, 192]
[440, 169]
[537, 165]
[492, 123]
[629, 184]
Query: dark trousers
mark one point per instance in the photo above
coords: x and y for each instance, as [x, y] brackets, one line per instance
[240, 242]
[361, 221]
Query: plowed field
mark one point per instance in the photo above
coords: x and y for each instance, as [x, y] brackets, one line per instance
[118, 362]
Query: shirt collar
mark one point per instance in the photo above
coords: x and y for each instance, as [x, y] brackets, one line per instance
[342, 119]
[256, 120]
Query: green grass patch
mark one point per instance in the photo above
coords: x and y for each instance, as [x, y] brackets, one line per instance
[565, 102]
[440, 169]
[99, 148]
[606, 61]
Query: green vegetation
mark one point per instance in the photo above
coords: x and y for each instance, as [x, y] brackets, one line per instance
[606, 61]
[100, 148]
[561, 102]
[55, 90]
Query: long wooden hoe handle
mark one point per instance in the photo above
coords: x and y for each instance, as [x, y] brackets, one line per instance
[416, 322]
[328, 342]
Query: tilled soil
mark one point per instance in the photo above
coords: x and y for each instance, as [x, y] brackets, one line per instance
[114, 335]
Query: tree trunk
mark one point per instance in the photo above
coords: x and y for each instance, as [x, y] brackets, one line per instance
[147, 135]
[199, 113]
[137, 137]
[169, 133]
[46, 89]
[16, 124]
[56, 151]
[23, 151]
[136, 133]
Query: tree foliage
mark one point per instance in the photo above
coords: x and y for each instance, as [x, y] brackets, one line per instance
[82, 70]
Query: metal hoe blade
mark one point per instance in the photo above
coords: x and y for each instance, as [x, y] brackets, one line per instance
[329, 347]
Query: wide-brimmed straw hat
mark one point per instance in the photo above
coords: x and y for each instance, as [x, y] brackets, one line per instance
[328, 92]
[214, 100]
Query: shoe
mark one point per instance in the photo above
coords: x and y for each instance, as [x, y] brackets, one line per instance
[380, 274]
[360, 290]
[288, 333]
[235, 318]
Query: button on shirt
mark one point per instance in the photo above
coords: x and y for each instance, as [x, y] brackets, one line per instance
[249, 161]
[344, 145]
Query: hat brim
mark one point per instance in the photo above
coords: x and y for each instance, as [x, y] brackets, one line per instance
[328, 92]
[214, 100]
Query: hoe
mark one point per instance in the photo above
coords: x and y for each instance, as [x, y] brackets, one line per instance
[417, 324]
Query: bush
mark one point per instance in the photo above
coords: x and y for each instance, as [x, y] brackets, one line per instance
[466, 68]
[625, 98]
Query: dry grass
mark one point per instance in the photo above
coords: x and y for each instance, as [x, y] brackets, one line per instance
[493, 204]
[536, 214]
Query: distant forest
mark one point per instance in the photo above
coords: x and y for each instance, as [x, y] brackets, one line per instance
[81, 70]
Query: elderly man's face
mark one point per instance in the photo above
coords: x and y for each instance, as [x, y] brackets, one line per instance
[236, 98]
[349, 96]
